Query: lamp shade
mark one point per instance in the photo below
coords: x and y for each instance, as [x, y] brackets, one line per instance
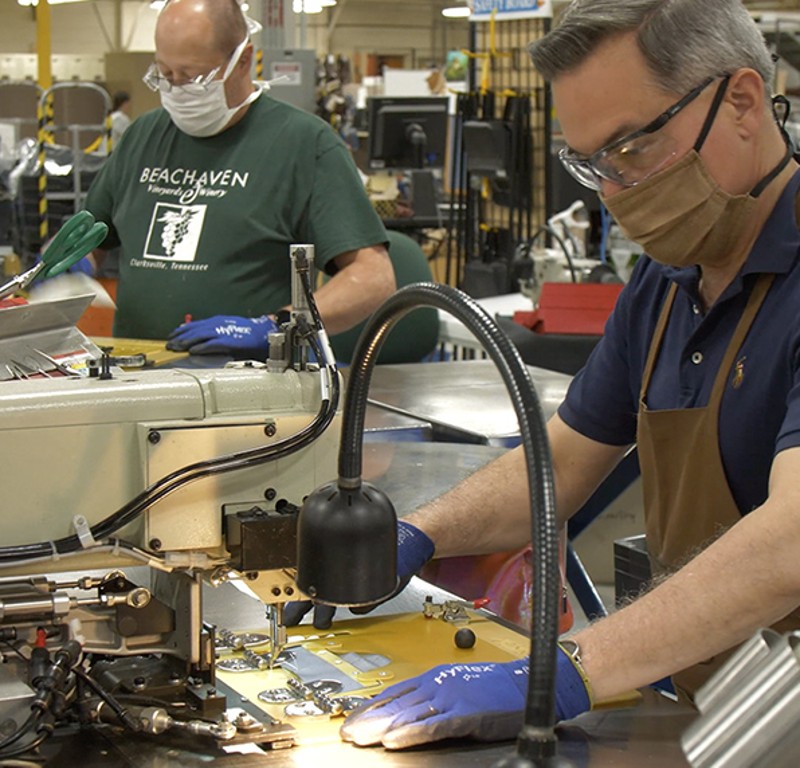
[347, 545]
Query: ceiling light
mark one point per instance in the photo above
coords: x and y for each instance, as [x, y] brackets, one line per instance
[311, 6]
[34, 3]
[457, 12]
[306, 6]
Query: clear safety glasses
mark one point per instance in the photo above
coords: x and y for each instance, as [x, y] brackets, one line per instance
[633, 158]
[197, 86]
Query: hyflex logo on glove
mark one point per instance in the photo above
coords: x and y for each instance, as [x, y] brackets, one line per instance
[223, 334]
[479, 701]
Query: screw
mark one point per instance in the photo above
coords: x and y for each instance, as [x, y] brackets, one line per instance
[289, 591]
[153, 437]
[276, 591]
[155, 544]
[251, 575]
[270, 430]
[270, 494]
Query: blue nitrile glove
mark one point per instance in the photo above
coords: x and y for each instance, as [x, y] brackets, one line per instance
[85, 265]
[414, 549]
[239, 336]
[480, 701]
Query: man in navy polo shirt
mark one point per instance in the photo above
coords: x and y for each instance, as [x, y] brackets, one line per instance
[665, 109]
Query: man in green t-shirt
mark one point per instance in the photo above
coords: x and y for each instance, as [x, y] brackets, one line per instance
[206, 194]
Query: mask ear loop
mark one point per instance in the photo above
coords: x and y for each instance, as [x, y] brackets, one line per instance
[237, 54]
[781, 109]
[778, 100]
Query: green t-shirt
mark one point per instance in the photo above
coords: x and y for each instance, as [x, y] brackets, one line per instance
[415, 334]
[205, 224]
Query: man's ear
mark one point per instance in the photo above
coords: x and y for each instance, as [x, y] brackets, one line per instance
[246, 59]
[746, 95]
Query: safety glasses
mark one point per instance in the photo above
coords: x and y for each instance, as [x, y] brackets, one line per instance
[633, 158]
[197, 86]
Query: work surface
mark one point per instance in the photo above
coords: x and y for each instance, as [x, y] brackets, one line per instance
[646, 734]
[465, 401]
[645, 737]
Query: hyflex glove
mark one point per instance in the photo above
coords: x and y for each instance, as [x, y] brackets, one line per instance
[414, 549]
[480, 701]
[238, 336]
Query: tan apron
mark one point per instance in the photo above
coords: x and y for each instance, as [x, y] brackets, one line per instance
[687, 499]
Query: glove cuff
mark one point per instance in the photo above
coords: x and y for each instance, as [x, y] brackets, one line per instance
[573, 690]
[414, 549]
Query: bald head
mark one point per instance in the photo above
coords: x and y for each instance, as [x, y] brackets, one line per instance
[212, 26]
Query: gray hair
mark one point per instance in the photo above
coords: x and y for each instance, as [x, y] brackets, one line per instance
[683, 41]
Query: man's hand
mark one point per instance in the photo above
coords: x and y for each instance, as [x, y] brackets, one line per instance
[480, 701]
[414, 549]
[239, 336]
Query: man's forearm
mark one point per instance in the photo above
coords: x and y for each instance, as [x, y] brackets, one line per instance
[488, 512]
[491, 511]
[743, 581]
[361, 285]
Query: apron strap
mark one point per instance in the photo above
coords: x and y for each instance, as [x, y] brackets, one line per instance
[754, 303]
[760, 290]
[655, 344]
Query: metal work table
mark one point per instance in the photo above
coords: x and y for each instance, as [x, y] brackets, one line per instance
[465, 401]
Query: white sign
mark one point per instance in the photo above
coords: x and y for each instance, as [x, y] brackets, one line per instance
[289, 72]
[511, 9]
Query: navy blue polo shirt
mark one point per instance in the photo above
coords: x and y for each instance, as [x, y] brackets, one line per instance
[761, 415]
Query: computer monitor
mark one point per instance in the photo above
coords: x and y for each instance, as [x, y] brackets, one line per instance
[407, 131]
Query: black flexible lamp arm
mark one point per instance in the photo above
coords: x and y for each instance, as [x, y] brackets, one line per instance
[536, 743]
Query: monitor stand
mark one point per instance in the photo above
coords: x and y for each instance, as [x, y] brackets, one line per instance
[423, 194]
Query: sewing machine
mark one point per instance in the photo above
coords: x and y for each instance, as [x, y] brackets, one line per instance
[188, 476]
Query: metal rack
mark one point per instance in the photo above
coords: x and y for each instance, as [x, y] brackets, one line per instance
[49, 127]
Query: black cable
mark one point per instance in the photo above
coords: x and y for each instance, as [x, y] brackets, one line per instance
[185, 475]
[117, 708]
[21, 731]
[30, 746]
[537, 738]
[547, 229]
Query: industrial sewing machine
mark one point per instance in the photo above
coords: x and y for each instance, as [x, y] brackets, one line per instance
[190, 476]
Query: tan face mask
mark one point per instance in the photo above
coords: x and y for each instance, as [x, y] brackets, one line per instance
[680, 216]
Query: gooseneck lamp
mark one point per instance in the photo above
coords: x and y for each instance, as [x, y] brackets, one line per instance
[347, 550]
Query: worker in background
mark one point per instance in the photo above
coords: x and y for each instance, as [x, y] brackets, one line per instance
[665, 109]
[120, 116]
[206, 194]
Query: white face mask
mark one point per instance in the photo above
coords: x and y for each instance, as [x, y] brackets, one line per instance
[203, 111]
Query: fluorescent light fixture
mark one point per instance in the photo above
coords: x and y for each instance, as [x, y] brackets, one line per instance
[311, 6]
[457, 12]
[34, 3]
